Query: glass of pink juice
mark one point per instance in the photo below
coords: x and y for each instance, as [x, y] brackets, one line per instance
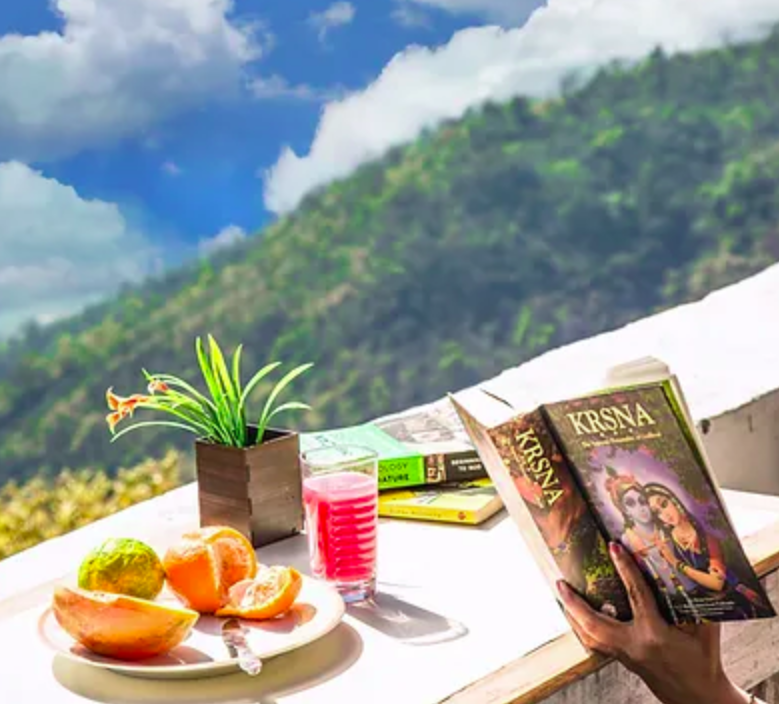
[340, 493]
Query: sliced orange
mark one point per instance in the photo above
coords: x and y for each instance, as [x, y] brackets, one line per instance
[202, 567]
[271, 593]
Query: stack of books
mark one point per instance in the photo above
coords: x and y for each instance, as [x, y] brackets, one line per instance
[428, 467]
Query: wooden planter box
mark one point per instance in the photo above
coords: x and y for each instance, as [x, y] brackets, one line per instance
[256, 490]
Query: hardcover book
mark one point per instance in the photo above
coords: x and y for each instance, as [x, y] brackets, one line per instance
[424, 446]
[624, 464]
[469, 503]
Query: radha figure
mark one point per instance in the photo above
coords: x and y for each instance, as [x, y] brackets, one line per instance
[697, 558]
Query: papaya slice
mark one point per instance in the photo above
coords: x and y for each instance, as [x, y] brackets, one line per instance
[270, 594]
[120, 626]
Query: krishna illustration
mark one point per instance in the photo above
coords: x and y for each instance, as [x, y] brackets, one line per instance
[643, 536]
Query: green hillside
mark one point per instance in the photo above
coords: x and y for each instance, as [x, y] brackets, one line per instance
[521, 227]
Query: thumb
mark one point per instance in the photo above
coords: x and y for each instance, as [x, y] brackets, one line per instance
[642, 600]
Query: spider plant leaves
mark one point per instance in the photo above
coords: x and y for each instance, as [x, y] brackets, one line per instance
[286, 380]
[219, 414]
[256, 379]
[237, 368]
[291, 406]
[146, 423]
[220, 399]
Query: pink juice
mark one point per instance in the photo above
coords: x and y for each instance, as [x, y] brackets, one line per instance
[342, 521]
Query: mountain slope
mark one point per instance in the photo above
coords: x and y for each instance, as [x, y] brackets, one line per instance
[521, 227]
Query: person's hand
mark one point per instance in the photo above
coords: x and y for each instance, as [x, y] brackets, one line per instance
[680, 665]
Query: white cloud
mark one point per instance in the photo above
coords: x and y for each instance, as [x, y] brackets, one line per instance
[338, 14]
[171, 168]
[406, 15]
[420, 87]
[505, 12]
[58, 251]
[277, 87]
[116, 67]
[227, 236]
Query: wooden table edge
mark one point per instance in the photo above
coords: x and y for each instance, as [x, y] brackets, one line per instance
[562, 661]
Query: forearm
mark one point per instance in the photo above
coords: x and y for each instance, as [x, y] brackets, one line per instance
[709, 580]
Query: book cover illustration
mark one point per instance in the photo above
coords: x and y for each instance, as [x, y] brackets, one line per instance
[423, 446]
[540, 475]
[462, 502]
[643, 477]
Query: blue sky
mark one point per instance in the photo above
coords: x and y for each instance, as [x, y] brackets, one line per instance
[135, 134]
[198, 172]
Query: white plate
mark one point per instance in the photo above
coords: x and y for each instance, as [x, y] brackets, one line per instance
[318, 609]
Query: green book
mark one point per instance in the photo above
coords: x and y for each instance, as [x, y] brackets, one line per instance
[423, 446]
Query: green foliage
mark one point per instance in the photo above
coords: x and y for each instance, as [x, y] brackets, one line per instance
[516, 229]
[42, 508]
[220, 419]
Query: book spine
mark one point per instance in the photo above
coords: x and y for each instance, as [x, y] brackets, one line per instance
[401, 472]
[428, 513]
[458, 466]
[544, 498]
[418, 470]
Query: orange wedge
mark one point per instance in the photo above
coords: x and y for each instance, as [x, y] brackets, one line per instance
[202, 567]
[271, 593]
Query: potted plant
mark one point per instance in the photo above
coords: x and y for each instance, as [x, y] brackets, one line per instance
[248, 474]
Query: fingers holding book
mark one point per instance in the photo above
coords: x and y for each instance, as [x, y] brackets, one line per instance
[642, 601]
[606, 635]
[596, 631]
[679, 664]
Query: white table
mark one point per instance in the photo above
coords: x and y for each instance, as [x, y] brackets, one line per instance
[459, 608]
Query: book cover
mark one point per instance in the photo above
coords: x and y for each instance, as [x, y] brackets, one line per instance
[470, 503]
[539, 475]
[633, 456]
[625, 464]
[423, 446]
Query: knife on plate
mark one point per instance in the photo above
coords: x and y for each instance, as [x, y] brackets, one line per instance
[234, 637]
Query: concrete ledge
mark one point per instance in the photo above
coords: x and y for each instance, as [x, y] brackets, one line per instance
[744, 445]
[725, 351]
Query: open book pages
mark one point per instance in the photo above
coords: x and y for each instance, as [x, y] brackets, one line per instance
[647, 370]
[621, 463]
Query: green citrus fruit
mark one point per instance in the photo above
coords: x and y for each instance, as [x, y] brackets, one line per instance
[123, 566]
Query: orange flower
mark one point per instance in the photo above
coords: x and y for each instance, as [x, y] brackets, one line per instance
[113, 418]
[112, 399]
[130, 403]
[124, 405]
[158, 385]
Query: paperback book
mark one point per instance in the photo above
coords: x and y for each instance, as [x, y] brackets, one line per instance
[626, 464]
[420, 447]
[470, 503]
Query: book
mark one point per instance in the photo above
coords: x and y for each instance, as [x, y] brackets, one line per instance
[471, 502]
[624, 463]
[423, 446]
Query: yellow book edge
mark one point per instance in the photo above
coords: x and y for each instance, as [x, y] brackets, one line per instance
[393, 504]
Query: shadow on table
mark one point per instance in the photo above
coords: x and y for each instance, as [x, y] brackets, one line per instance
[281, 676]
[406, 622]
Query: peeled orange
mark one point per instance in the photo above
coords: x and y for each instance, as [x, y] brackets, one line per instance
[202, 567]
[271, 593]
